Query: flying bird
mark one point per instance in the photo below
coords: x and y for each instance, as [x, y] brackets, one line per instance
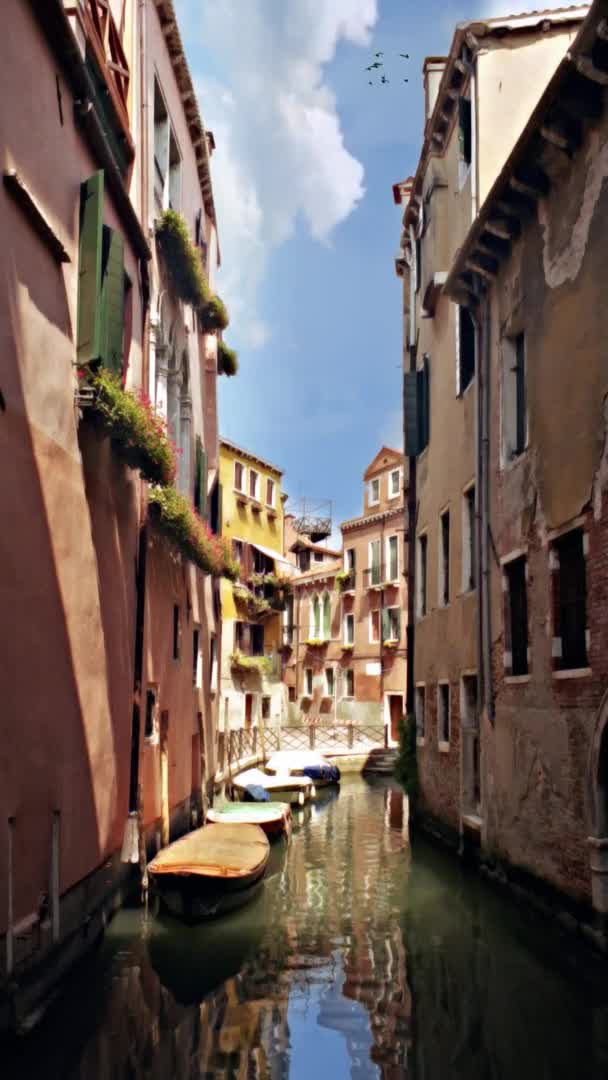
[405, 55]
[371, 67]
[379, 54]
[384, 79]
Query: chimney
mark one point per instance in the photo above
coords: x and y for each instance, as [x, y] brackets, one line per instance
[432, 71]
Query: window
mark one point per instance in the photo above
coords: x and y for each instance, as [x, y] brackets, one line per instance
[374, 626]
[176, 632]
[315, 618]
[464, 130]
[175, 173]
[318, 556]
[291, 694]
[269, 492]
[102, 330]
[374, 491]
[375, 574]
[465, 349]
[516, 618]
[349, 683]
[326, 617]
[265, 707]
[167, 158]
[239, 477]
[237, 550]
[200, 480]
[239, 637]
[254, 483]
[349, 629]
[196, 658]
[443, 714]
[514, 403]
[469, 555]
[444, 559]
[418, 267]
[471, 770]
[422, 575]
[329, 682]
[150, 724]
[394, 484]
[257, 639]
[417, 408]
[570, 601]
[349, 559]
[308, 681]
[391, 624]
[419, 711]
[288, 616]
[303, 560]
[392, 558]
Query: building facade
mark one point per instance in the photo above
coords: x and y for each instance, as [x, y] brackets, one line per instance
[468, 135]
[111, 741]
[348, 659]
[544, 491]
[253, 608]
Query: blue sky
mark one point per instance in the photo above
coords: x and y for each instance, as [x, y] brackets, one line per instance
[307, 153]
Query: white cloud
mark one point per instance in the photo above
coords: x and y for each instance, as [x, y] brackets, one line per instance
[280, 154]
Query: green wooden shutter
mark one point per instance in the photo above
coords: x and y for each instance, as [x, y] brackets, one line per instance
[112, 299]
[410, 411]
[203, 484]
[89, 269]
[386, 625]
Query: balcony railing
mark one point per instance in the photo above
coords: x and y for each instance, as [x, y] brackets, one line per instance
[348, 581]
[377, 576]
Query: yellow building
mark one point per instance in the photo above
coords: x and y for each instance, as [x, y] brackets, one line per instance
[254, 609]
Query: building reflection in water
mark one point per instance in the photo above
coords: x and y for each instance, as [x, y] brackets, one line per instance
[356, 960]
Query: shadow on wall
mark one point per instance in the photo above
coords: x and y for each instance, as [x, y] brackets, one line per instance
[52, 678]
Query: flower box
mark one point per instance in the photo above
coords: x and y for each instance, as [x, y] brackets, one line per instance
[176, 518]
[260, 665]
[390, 644]
[316, 643]
[347, 648]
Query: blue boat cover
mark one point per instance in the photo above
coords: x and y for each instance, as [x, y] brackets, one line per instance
[256, 793]
[322, 772]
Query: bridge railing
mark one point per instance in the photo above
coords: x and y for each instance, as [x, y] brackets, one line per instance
[238, 748]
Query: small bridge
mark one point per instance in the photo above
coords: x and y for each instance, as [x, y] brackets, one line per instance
[244, 748]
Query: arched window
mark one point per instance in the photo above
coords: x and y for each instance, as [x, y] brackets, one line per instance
[315, 617]
[326, 617]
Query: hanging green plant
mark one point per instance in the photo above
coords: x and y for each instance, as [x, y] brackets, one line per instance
[183, 260]
[227, 360]
[260, 664]
[138, 433]
[214, 315]
[177, 519]
[343, 580]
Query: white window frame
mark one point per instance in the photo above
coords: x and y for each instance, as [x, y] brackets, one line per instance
[459, 389]
[198, 678]
[440, 572]
[325, 596]
[467, 541]
[444, 747]
[272, 501]
[347, 552]
[256, 496]
[172, 176]
[348, 615]
[330, 693]
[395, 607]
[240, 490]
[153, 738]
[308, 682]
[347, 672]
[508, 402]
[393, 536]
[372, 639]
[422, 536]
[420, 726]
[394, 494]
[313, 634]
[370, 499]
[370, 561]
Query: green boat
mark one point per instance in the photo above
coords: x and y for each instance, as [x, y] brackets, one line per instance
[273, 817]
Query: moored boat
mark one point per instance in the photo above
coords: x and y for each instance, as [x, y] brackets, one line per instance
[304, 763]
[284, 788]
[273, 817]
[210, 871]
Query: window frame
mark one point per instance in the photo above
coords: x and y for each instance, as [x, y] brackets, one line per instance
[270, 483]
[370, 561]
[462, 387]
[470, 570]
[388, 609]
[378, 613]
[420, 715]
[151, 738]
[330, 671]
[443, 685]
[308, 682]
[422, 582]
[370, 499]
[566, 666]
[349, 674]
[394, 578]
[394, 494]
[240, 490]
[255, 476]
[348, 618]
[443, 568]
[508, 566]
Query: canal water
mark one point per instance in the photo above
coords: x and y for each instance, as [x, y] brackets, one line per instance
[361, 957]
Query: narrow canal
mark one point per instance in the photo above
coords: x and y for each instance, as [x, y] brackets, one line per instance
[360, 958]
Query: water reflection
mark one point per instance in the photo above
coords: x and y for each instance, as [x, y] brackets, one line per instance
[356, 960]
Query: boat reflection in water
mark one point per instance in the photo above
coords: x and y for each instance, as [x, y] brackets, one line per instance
[359, 959]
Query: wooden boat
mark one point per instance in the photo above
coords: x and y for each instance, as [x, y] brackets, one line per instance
[291, 789]
[304, 763]
[273, 817]
[210, 871]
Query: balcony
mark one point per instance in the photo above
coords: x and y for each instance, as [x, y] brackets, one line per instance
[380, 577]
[346, 581]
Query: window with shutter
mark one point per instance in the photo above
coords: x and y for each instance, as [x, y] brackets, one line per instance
[200, 482]
[112, 300]
[326, 618]
[464, 129]
[386, 625]
[89, 269]
[410, 412]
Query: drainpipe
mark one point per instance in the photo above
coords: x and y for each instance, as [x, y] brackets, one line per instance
[410, 529]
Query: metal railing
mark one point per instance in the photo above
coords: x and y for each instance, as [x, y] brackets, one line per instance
[376, 576]
[237, 748]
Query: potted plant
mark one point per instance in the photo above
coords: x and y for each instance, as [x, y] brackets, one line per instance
[227, 360]
[183, 261]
